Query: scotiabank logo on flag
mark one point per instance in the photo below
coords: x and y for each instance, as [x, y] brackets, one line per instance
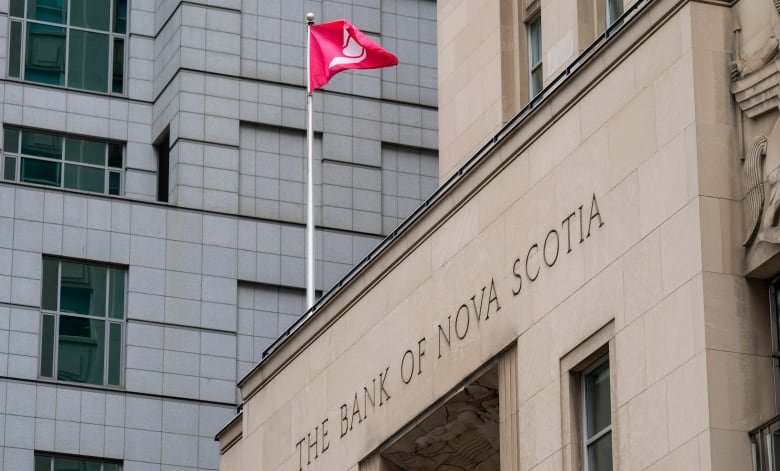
[338, 46]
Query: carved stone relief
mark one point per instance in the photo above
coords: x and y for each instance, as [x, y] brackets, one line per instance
[463, 434]
[756, 90]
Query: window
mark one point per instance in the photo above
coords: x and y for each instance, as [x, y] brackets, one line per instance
[74, 463]
[76, 163]
[535, 55]
[614, 11]
[774, 322]
[162, 146]
[83, 308]
[73, 43]
[597, 418]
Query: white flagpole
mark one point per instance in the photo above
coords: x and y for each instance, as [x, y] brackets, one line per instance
[310, 173]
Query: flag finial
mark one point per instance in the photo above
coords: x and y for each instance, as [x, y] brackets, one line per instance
[310, 18]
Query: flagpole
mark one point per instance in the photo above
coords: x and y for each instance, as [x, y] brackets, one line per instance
[310, 173]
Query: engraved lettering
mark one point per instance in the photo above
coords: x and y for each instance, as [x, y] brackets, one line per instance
[355, 410]
[594, 213]
[567, 224]
[462, 309]
[344, 421]
[534, 248]
[516, 271]
[369, 397]
[477, 312]
[325, 444]
[410, 355]
[557, 248]
[383, 396]
[420, 354]
[492, 298]
[445, 335]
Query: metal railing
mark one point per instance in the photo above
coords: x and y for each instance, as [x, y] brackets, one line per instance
[564, 76]
[765, 444]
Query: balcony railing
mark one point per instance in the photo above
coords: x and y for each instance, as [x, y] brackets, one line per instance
[765, 441]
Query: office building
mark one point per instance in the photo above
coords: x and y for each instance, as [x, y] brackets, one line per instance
[152, 208]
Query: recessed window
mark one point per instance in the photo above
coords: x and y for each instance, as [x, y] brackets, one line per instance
[83, 308]
[597, 418]
[71, 43]
[535, 55]
[76, 163]
[44, 462]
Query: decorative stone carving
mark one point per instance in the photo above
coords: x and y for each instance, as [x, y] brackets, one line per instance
[462, 434]
[756, 90]
[753, 188]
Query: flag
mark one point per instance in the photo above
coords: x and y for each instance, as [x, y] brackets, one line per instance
[338, 46]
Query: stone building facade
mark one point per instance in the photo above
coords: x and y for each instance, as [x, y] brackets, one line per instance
[593, 286]
[151, 208]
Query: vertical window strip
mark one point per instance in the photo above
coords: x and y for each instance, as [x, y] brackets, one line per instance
[614, 11]
[592, 435]
[535, 78]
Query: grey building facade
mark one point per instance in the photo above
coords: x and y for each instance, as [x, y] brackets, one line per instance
[152, 208]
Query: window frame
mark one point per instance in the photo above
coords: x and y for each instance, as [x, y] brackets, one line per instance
[609, 20]
[112, 36]
[774, 322]
[63, 162]
[532, 68]
[53, 456]
[586, 441]
[106, 319]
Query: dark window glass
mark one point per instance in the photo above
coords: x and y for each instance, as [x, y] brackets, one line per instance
[83, 346]
[85, 151]
[17, 8]
[45, 61]
[50, 284]
[75, 464]
[53, 11]
[9, 169]
[11, 140]
[114, 183]
[90, 14]
[535, 56]
[80, 357]
[120, 16]
[78, 177]
[39, 172]
[83, 289]
[42, 144]
[114, 354]
[88, 61]
[115, 155]
[118, 74]
[535, 32]
[42, 463]
[116, 295]
[15, 53]
[600, 454]
[47, 347]
[598, 419]
[614, 10]
[597, 399]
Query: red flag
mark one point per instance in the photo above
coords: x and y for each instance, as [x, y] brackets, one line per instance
[338, 46]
